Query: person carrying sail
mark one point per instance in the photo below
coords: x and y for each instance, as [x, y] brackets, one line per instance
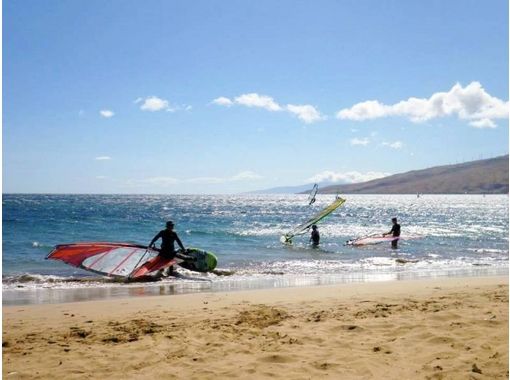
[315, 236]
[168, 238]
[395, 232]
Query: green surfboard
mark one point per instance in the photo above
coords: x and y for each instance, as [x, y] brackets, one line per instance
[203, 261]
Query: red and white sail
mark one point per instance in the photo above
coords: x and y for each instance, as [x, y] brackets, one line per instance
[109, 259]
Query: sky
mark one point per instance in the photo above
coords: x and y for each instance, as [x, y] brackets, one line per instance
[175, 97]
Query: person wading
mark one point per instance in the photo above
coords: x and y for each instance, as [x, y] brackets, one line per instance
[315, 237]
[168, 238]
[395, 232]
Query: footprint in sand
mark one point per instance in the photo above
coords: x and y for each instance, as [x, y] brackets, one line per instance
[276, 359]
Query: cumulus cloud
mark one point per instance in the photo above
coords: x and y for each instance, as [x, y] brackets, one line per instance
[483, 123]
[346, 177]
[153, 104]
[256, 100]
[106, 113]
[103, 158]
[305, 112]
[363, 141]
[371, 109]
[223, 101]
[393, 145]
[471, 103]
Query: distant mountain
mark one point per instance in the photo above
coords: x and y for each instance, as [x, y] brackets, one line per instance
[476, 177]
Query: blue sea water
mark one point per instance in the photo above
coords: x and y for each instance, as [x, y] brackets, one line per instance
[443, 235]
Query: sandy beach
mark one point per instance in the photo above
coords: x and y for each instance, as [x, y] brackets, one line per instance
[453, 328]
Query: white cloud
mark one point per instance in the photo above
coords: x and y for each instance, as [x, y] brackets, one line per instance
[106, 113]
[256, 100]
[240, 177]
[393, 145]
[223, 101]
[153, 104]
[100, 177]
[176, 108]
[363, 141]
[306, 113]
[467, 103]
[346, 177]
[370, 109]
[103, 158]
[483, 123]
[246, 175]
[169, 181]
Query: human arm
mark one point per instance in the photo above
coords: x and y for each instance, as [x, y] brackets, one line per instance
[389, 233]
[158, 235]
[179, 242]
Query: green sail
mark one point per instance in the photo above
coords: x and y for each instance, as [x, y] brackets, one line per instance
[302, 228]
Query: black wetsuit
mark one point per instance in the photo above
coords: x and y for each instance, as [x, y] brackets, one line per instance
[316, 237]
[395, 231]
[168, 238]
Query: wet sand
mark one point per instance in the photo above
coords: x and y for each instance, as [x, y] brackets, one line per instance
[453, 328]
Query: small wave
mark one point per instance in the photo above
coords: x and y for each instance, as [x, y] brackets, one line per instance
[223, 272]
[50, 279]
[488, 250]
[36, 244]
[273, 273]
[379, 261]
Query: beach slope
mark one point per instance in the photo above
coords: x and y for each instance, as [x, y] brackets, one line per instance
[454, 328]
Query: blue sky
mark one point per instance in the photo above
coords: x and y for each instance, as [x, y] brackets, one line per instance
[233, 96]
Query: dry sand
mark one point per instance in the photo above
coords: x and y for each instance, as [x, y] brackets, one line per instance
[426, 329]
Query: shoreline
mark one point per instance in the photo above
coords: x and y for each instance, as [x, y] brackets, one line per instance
[454, 327]
[111, 290]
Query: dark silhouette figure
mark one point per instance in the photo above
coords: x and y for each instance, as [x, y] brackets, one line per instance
[315, 237]
[395, 232]
[168, 238]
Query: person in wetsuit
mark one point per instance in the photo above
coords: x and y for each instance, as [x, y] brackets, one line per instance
[168, 238]
[395, 232]
[315, 237]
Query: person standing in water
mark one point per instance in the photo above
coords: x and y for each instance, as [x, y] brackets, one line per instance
[168, 238]
[315, 237]
[395, 232]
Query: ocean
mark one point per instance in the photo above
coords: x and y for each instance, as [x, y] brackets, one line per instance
[442, 235]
